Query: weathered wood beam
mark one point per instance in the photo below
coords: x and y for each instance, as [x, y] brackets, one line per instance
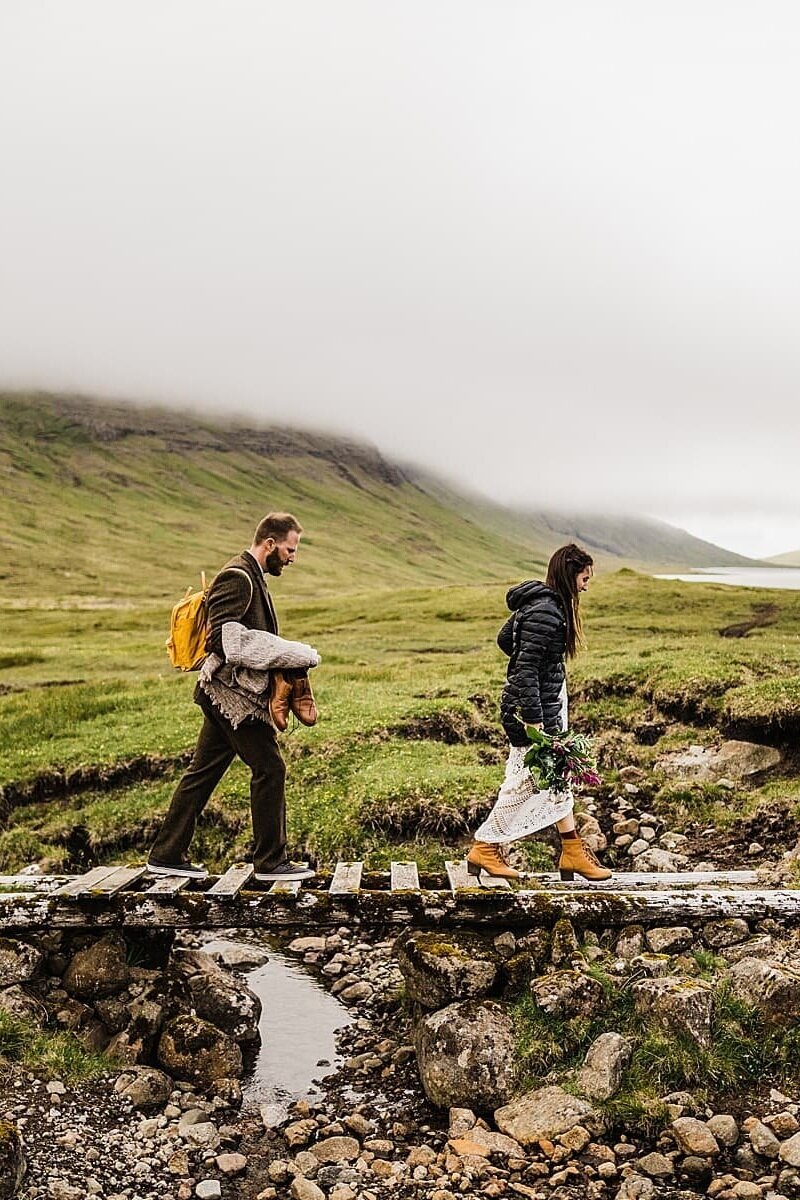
[588, 907]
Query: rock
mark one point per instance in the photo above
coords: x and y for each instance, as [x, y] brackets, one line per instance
[694, 1137]
[241, 957]
[305, 1189]
[655, 1164]
[733, 761]
[303, 944]
[191, 1048]
[438, 970]
[790, 1151]
[782, 1124]
[231, 1164]
[630, 942]
[145, 1087]
[460, 1120]
[99, 970]
[656, 858]
[636, 1187]
[763, 1140]
[356, 992]
[589, 829]
[218, 997]
[336, 1149]
[300, 1133]
[728, 931]
[605, 1062]
[208, 1189]
[676, 1005]
[638, 847]
[19, 962]
[274, 1115]
[724, 1129]
[770, 987]
[466, 1054]
[544, 1113]
[491, 1142]
[568, 994]
[670, 940]
[17, 1003]
[201, 1133]
[12, 1160]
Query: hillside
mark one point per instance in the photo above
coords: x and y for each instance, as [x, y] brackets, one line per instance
[792, 559]
[116, 501]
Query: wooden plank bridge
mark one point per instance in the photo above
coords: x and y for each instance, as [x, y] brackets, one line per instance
[127, 897]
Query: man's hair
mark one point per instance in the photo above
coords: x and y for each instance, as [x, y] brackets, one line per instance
[276, 525]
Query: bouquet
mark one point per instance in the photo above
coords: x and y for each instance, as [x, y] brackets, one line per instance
[558, 761]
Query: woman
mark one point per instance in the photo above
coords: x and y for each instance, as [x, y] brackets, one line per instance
[543, 630]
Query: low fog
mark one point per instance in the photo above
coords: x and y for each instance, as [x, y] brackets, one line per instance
[550, 250]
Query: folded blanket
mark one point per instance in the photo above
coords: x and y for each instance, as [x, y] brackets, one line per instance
[250, 655]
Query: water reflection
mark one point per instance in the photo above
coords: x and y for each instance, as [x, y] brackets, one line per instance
[298, 1022]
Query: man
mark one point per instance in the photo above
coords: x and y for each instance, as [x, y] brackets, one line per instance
[239, 716]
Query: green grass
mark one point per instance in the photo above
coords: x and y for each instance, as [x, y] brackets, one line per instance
[59, 1055]
[742, 1051]
[390, 660]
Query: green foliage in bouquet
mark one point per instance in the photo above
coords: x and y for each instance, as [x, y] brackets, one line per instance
[561, 761]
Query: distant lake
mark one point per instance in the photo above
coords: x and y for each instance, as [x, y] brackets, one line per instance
[763, 577]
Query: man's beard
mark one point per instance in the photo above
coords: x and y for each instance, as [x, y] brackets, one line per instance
[273, 564]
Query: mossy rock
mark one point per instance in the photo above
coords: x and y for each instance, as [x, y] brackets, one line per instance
[439, 970]
[12, 1160]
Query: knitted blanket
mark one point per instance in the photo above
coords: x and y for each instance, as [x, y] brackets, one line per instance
[238, 685]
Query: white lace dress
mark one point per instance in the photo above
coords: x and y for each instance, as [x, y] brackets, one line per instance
[519, 809]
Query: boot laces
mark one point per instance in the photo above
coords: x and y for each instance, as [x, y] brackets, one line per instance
[589, 852]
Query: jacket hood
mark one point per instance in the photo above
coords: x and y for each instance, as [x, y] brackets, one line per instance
[527, 592]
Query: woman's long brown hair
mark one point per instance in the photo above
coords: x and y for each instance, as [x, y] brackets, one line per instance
[562, 572]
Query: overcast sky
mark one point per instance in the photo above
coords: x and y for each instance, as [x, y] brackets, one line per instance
[550, 249]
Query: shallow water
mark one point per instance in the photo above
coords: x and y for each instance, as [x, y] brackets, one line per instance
[298, 1022]
[763, 577]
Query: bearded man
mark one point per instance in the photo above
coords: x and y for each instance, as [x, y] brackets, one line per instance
[242, 707]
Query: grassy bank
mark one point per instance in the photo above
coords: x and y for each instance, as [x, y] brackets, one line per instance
[408, 750]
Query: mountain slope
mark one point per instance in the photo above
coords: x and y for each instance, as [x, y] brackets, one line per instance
[792, 559]
[113, 500]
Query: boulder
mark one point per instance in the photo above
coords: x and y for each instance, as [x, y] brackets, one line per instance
[770, 987]
[439, 970]
[218, 996]
[336, 1150]
[145, 1087]
[466, 1055]
[657, 859]
[17, 1003]
[731, 760]
[19, 962]
[604, 1065]
[630, 942]
[694, 1137]
[790, 1151]
[191, 1048]
[670, 940]
[728, 931]
[99, 970]
[676, 1005]
[12, 1160]
[544, 1113]
[241, 957]
[568, 994]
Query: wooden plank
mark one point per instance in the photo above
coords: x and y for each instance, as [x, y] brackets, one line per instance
[288, 887]
[623, 880]
[588, 907]
[168, 885]
[35, 883]
[232, 882]
[83, 882]
[404, 877]
[460, 878]
[119, 878]
[346, 878]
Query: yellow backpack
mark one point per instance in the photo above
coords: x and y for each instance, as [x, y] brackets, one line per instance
[188, 629]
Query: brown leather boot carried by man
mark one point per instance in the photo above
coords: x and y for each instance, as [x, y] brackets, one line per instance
[578, 859]
[488, 857]
[280, 699]
[302, 701]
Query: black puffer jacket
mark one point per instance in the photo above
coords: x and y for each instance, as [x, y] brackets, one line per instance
[535, 639]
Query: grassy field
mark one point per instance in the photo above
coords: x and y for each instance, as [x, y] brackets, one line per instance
[408, 750]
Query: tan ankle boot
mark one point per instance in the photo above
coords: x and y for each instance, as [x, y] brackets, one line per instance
[488, 857]
[577, 858]
[302, 702]
[280, 697]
